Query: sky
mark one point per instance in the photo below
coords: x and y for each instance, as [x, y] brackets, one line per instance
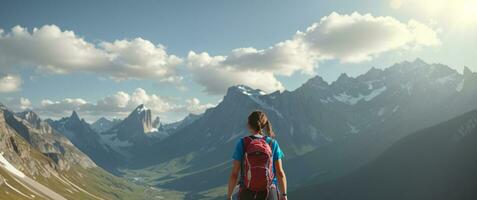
[103, 58]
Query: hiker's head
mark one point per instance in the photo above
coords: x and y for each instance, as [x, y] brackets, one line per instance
[257, 121]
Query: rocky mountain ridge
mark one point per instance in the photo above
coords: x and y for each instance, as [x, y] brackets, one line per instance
[325, 129]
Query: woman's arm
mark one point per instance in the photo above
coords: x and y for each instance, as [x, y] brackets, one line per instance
[233, 178]
[282, 179]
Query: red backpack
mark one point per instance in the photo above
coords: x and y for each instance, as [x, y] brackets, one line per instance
[257, 164]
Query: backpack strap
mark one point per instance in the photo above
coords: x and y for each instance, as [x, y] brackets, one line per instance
[270, 143]
[245, 141]
[273, 153]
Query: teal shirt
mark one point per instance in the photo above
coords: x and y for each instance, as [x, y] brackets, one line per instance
[277, 153]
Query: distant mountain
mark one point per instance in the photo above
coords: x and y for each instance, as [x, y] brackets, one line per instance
[31, 118]
[37, 162]
[435, 163]
[325, 129]
[41, 136]
[156, 123]
[103, 124]
[88, 141]
[173, 127]
[135, 129]
[417, 95]
[112, 149]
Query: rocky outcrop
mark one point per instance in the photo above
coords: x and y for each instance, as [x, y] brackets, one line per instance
[42, 137]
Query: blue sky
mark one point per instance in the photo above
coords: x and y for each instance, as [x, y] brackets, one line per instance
[217, 28]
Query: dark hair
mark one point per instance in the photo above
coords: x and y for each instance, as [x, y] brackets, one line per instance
[257, 120]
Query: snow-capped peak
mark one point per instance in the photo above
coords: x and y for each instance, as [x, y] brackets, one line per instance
[243, 89]
[141, 108]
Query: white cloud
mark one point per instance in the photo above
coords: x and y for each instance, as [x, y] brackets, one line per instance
[423, 35]
[356, 37]
[142, 59]
[119, 105]
[19, 104]
[349, 38]
[216, 78]
[24, 103]
[10, 83]
[60, 108]
[49, 49]
[284, 58]
[195, 107]
[115, 102]
[116, 105]
[156, 103]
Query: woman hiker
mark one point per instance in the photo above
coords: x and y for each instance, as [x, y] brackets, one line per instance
[257, 163]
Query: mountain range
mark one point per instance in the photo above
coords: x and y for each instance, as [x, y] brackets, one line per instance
[328, 131]
[85, 138]
[37, 162]
[103, 124]
[435, 163]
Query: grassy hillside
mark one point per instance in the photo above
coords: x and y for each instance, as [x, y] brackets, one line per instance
[78, 183]
[28, 173]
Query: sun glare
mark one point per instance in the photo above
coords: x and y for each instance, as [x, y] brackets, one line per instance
[468, 16]
[455, 13]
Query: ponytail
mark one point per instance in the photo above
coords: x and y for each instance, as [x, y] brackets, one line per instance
[259, 120]
[270, 132]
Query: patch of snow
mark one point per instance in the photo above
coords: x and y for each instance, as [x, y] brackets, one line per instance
[292, 130]
[327, 100]
[265, 106]
[374, 94]
[350, 100]
[250, 92]
[153, 130]
[254, 96]
[460, 86]
[142, 109]
[347, 99]
[5, 164]
[446, 79]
